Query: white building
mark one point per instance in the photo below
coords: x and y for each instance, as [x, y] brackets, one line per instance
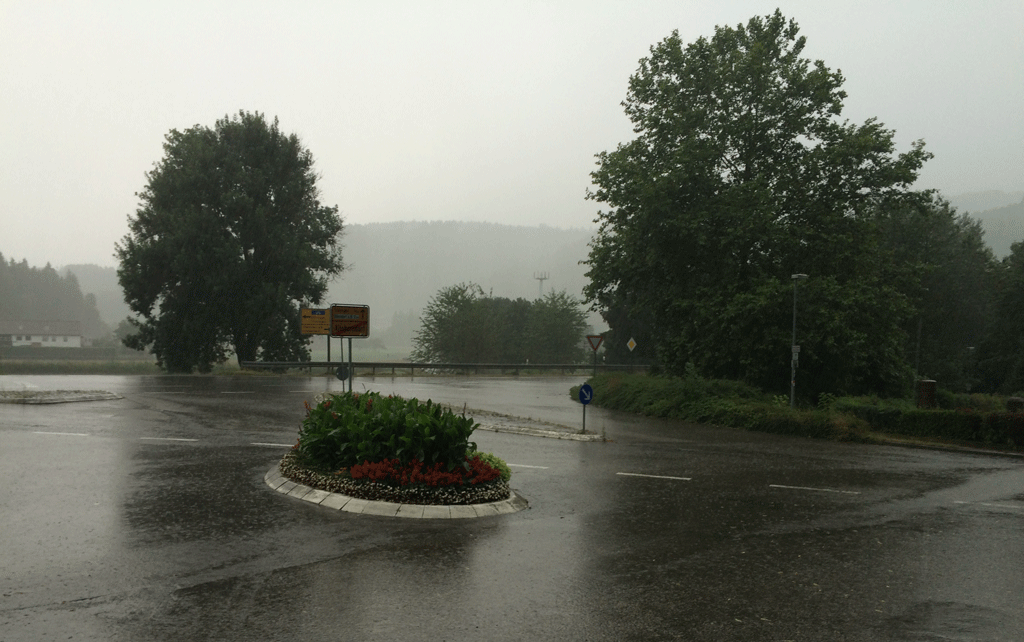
[42, 334]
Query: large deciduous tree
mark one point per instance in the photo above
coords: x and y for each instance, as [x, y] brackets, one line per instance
[229, 239]
[741, 175]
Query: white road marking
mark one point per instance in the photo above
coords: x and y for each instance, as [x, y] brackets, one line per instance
[820, 490]
[70, 434]
[237, 392]
[168, 439]
[989, 505]
[259, 443]
[655, 476]
[526, 466]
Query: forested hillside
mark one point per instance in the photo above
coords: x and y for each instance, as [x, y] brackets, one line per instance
[101, 282]
[31, 293]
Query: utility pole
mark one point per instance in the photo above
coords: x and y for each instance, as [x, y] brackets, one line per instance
[796, 348]
[541, 276]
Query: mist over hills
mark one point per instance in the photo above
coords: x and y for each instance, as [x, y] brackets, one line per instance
[395, 268]
[1001, 215]
[398, 267]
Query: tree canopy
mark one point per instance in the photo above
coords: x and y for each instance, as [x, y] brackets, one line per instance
[461, 324]
[228, 242]
[1001, 358]
[742, 174]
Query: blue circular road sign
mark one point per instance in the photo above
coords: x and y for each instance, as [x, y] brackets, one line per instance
[586, 394]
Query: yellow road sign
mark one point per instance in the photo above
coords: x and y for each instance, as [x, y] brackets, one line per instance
[316, 321]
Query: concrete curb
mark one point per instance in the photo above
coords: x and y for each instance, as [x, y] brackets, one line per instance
[536, 432]
[55, 396]
[337, 501]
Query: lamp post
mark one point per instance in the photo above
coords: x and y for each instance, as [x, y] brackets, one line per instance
[796, 348]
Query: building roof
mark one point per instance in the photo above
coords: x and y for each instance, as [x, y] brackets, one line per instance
[37, 327]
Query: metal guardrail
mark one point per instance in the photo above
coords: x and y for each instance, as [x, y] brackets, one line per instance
[374, 366]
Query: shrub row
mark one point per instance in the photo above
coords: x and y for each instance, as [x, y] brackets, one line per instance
[725, 403]
[737, 405]
[964, 424]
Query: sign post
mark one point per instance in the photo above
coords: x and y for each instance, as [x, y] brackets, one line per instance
[595, 343]
[586, 396]
[349, 321]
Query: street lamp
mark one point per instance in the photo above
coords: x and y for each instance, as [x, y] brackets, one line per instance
[796, 348]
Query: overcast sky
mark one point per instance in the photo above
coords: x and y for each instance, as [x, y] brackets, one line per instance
[430, 110]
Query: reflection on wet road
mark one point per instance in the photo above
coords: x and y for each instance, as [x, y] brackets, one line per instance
[145, 518]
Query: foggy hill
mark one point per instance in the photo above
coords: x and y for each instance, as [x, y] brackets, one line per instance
[396, 268]
[101, 282]
[989, 200]
[42, 294]
[1001, 215]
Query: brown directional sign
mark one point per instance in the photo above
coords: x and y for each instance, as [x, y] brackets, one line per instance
[316, 321]
[350, 320]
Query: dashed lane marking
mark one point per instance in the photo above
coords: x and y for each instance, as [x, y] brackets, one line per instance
[526, 466]
[820, 490]
[167, 439]
[69, 434]
[259, 443]
[237, 392]
[655, 476]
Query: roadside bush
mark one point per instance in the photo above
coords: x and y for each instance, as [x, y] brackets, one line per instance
[726, 403]
[347, 429]
[957, 425]
[960, 401]
[1006, 426]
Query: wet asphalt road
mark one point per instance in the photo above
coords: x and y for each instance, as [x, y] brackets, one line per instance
[146, 518]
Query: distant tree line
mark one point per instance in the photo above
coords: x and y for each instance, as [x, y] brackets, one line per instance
[461, 324]
[42, 294]
[742, 175]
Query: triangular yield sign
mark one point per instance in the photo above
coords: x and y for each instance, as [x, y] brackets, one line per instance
[595, 341]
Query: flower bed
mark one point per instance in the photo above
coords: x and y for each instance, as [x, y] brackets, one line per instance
[386, 490]
[392, 449]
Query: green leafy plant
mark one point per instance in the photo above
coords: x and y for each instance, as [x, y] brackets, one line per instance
[344, 430]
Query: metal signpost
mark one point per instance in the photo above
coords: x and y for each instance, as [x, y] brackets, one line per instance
[796, 348]
[595, 343]
[349, 321]
[586, 396]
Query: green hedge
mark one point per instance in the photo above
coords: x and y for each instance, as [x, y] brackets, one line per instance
[965, 424]
[725, 403]
[977, 418]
